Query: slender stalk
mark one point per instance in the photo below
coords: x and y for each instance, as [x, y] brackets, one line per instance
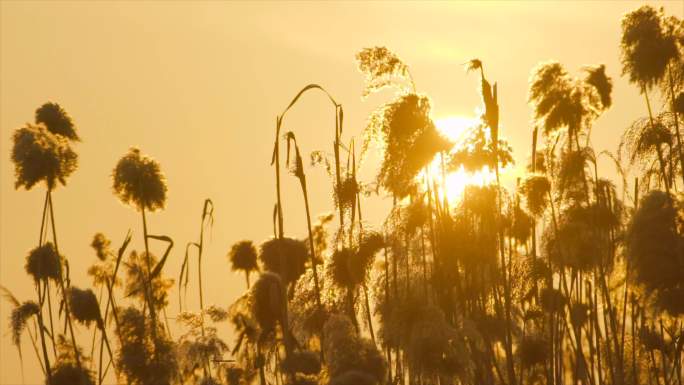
[148, 278]
[276, 155]
[110, 301]
[387, 301]
[676, 119]
[49, 301]
[534, 218]
[369, 316]
[663, 171]
[35, 346]
[40, 300]
[92, 343]
[100, 357]
[207, 211]
[317, 286]
[43, 220]
[336, 149]
[41, 326]
[102, 328]
[67, 311]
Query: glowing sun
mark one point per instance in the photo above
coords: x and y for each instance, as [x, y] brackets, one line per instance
[456, 129]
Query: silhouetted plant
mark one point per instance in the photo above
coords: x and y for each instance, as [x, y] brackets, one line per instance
[101, 245]
[597, 78]
[86, 309]
[479, 151]
[243, 257]
[561, 101]
[580, 241]
[411, 141]
[306, 317]
[70, 374]
[246, 328]
[40, 156]
[645, 142]
[43, 263]
[320, 233]
[138, 181]
[383, 68]
[533, 350]
[137, 276]
[654, 247]
[84, 306]
[346, 193]
[646, 52]
[198, 346]
[144, 358]
[269, 308]
[104, 273]
[435, 348]
[646, 49]
[521, 224]
[345, 351]
[298, 171]
[292, 252]
[19, 317]
[57, 120]
[349, 267]
[268, 300]
[536, 189]
[43, 153]
[68, 370]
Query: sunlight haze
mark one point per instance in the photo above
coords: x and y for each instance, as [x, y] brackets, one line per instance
[198, 85]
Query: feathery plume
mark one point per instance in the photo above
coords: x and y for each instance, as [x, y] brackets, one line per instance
[57, 120]
[41, 156]
[43, 263]
[138, 180]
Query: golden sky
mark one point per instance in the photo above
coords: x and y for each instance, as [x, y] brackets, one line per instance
[197, 85]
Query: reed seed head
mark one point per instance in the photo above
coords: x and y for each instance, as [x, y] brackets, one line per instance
[138, 181]
[41, 156]
[43, 263]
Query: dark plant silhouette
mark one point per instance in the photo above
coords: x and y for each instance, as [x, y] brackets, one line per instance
[41, 156]
[348, 353]
[243, 257]
[655, 249]
[138, 181]
[57, 120]
[647, 51]
[43, 153]
[145, 358]
[286, 257]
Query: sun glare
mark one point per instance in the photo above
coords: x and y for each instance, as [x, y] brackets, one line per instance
[456, 128]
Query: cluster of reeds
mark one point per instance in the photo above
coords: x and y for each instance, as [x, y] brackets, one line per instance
[566, 277]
